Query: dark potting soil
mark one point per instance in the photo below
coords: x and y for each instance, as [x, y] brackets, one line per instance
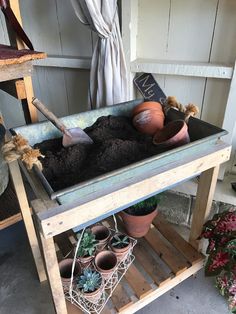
[116, 144]
[139, 211]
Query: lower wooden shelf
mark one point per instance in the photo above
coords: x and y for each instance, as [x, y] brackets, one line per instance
[163, 259]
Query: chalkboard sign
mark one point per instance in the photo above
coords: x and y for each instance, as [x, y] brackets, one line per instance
[149, 88]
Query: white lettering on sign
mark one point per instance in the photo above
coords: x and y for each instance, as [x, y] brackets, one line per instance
[148, 91]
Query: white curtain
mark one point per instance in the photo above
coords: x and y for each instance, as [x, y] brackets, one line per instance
[108, 76]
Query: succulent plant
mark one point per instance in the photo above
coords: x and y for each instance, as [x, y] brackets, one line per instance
[87, 245]
[120, 241]
[89, 281]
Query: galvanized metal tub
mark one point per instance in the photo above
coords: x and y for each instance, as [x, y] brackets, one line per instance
[202, 135]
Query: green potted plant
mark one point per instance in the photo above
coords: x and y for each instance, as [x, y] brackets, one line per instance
[120, 244]
[221, 261]
[138, 218]
[90, 285]
[87, 247]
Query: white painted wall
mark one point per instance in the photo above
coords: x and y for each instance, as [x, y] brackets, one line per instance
[188, 30]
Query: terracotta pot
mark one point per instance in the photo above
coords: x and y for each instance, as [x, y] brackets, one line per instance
[147, 105]
[149, 121]
[106, 262]
[85, 260]
[137, 226]
[120, 252]
[94, 296]
[174, 134]
[102, 235]
[65, 267]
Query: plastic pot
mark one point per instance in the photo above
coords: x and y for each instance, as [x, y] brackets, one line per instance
[106, 262]
[173, 134]
[65, 267]
[137, 226]
[102, 235]
[120, 252]
[149, 121]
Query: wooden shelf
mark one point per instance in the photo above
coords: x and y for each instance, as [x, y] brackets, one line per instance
[163, 260]
[198, 69]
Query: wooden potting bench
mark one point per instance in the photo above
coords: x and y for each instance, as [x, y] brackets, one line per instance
[163, 258]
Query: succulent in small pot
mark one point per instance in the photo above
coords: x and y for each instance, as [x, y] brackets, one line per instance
[138, 218]
[87, 248]
[90, 284]
[102, 235]
[106, 262]
[149, 121]
[120, 244]
[65, 268]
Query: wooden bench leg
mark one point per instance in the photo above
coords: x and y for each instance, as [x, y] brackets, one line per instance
[27, 218]
[53, 273]
[205, 193]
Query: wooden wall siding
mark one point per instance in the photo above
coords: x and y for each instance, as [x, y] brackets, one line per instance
[54, 28]
[190, 30]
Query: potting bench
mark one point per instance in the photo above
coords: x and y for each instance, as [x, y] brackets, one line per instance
[165, 258]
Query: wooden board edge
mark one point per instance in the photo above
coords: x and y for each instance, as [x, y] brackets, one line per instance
[163, 289]
[10, 221]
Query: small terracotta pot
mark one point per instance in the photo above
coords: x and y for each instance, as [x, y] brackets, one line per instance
[65, 267]
[106, 262]
[149, 121]
[94, 296]
[137, 226]
[85, 261]
[147, 105]
[120, 252]
[174, 134]
[102, 235]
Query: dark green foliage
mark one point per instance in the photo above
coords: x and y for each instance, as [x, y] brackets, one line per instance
[120, 241]
[87, 245]
[144, 207]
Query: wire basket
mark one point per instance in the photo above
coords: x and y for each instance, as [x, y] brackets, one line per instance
[79, 299]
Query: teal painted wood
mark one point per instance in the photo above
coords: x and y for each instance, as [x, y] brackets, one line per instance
[202, 135]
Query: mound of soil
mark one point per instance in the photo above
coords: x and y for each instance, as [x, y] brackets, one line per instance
[116, 144]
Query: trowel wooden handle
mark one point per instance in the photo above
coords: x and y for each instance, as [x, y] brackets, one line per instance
[49, 115]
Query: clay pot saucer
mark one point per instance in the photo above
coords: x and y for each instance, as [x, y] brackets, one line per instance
[173, 134]
[147, 105]
[149, 121]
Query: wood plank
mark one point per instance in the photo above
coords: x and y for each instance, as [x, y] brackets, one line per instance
[174, 260]
[64, 244]
[176, 240]
[10, 221]
[150, 265]
[120, 298]
[137, 281]
[26, 214]
[72, 309]
[163, 289]
[63, 217]
[205, 193]
[184, 68]
[65, 62]
[15, 88]
[15, 71]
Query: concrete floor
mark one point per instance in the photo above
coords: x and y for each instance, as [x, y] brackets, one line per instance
[21, 293]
